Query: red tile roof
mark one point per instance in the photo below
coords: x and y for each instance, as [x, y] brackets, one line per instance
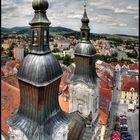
[128, 83]
[104, 84]
[64, 103]
[106, 75]
[133, 66]
[12, 80]
[11, 63]
[10, 102]
[107, 93]
[10, 98]
[103, 117]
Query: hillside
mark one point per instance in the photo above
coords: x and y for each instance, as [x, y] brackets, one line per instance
[68, 32]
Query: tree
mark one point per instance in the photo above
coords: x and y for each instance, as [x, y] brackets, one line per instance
[67, 60]
[26, 52]
[55, 50]
[10, 54]
[117, 127]
[11, 47]
[2, 49]
[58, 57]
[55, 45]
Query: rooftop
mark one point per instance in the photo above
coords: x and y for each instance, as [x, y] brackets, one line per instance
[10, 100]
[103, 117]
[129, 82]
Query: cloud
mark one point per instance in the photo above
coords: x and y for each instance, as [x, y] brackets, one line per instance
[103, 14]
[132, 8]
[120, 11]
[136, 17]
[118, 24]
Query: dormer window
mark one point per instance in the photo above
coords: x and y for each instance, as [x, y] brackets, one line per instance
[132, 89]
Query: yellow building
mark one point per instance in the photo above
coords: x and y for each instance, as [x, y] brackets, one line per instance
[129, 91]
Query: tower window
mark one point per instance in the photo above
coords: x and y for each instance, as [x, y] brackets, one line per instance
[35, 40]
[83, 35]
[45, 37]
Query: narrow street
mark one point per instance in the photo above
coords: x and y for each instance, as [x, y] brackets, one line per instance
[114, 105]
[117, 109]
[133, 124]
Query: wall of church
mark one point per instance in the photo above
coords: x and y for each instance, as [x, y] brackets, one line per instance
[83, 99]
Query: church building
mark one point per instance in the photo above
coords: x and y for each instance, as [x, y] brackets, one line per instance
[84, 87]
[39, 116]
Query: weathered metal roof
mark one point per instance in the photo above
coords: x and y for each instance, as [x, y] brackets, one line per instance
[85, 48]
[34, 131]
[40, 7]
[39, 70]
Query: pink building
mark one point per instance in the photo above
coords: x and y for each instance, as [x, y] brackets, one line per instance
[19, 53]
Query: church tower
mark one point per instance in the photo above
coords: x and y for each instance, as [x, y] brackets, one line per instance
[84, 83]
[39, 116]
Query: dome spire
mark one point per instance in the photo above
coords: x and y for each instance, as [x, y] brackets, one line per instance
[85, 30]
[85, 5]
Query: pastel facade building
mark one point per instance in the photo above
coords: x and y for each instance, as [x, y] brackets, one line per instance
[19, 53]
[129, 91]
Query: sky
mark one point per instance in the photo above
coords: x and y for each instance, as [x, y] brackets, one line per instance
[106, 16]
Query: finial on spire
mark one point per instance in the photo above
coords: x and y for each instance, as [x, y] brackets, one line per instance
[85, 5]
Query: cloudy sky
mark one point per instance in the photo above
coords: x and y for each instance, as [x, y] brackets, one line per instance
[106, 16]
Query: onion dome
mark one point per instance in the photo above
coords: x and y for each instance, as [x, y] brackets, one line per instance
[85, 18]
[40, 4]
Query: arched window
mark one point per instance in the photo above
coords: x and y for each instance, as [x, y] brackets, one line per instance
[45, 37]
[83, 35]
[35, 38]
[80, 108]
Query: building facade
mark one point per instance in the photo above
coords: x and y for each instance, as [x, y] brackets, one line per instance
[129, 91]
[19, 53]
[39, 116]
[83, 85]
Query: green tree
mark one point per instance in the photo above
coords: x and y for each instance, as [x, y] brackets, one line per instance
[10, 54]
[55, 45]
[2, 49]
[11, 47]
[55, 50]
[26, 52]
[58, 57]
[117, 127]
[67, 60]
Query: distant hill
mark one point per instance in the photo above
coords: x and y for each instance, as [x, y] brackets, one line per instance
[67, 32]
[26, 29]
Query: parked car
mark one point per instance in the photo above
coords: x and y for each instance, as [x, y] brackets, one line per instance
[123, 116]
[123, 126]
[123, 121]
[127, 137]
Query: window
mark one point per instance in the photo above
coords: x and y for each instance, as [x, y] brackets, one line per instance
[131, 102]
[83, 35]
[80, 108]
[45, 37]
[132, 89]
[34, 38]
